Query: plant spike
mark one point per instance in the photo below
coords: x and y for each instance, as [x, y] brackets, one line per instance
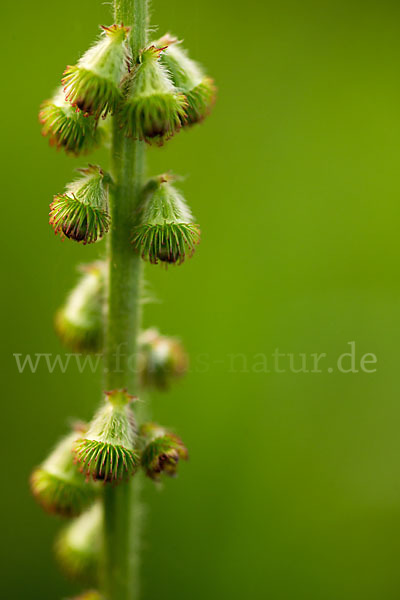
[148, 92]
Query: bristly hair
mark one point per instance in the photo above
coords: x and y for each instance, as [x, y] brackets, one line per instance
[77, 221]
[106, 461]
[168, 243]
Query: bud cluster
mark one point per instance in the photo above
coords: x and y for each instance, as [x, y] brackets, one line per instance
[149, 97]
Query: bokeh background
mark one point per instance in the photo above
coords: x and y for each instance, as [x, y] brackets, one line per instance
[293, 488]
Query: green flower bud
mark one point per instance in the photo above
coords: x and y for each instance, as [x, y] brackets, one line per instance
[161, 359]
[154, 109]
[166, 231]
[162, 451]
[108, 450]
[93, 85]
[68, 128]
[189, 78]
[79, 323]
[57, 484]
[81, 213]
[78, 546]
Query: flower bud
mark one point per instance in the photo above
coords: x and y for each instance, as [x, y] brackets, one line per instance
[189, 78]
[57, 484]
[162, 451]
[79, 323]
[93, 85]
[167, 232]
[108, 450]
[81, 213]
[78, 546]
[161, 359]
[154, 109]
[68, 128]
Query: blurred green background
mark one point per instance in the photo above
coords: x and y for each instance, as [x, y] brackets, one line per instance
[293, 488]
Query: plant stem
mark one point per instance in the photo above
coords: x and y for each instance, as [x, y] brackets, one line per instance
[122, 502]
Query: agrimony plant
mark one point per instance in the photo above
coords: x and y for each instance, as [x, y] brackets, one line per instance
[143, 92]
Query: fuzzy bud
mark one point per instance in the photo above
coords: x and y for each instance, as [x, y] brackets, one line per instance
[189, 78]
[78, 546]
[93, 85]
[161, 359]
[108, 450]
[81, 213]
[154, 109]
[68, 128]
[57, 484]
[166, 231]
[79, 323]
[162, 451]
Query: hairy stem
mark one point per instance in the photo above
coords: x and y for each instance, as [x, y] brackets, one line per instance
[122, 503]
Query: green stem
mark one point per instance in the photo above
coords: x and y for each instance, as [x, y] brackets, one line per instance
[122, 503]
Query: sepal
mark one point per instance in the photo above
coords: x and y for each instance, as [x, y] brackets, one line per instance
[78, 546]
[154, 109]
[166, 231]
[81, 213]
[93, 84]
[108, 450]
[162, 451]
[79, 323]
[57, 484]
